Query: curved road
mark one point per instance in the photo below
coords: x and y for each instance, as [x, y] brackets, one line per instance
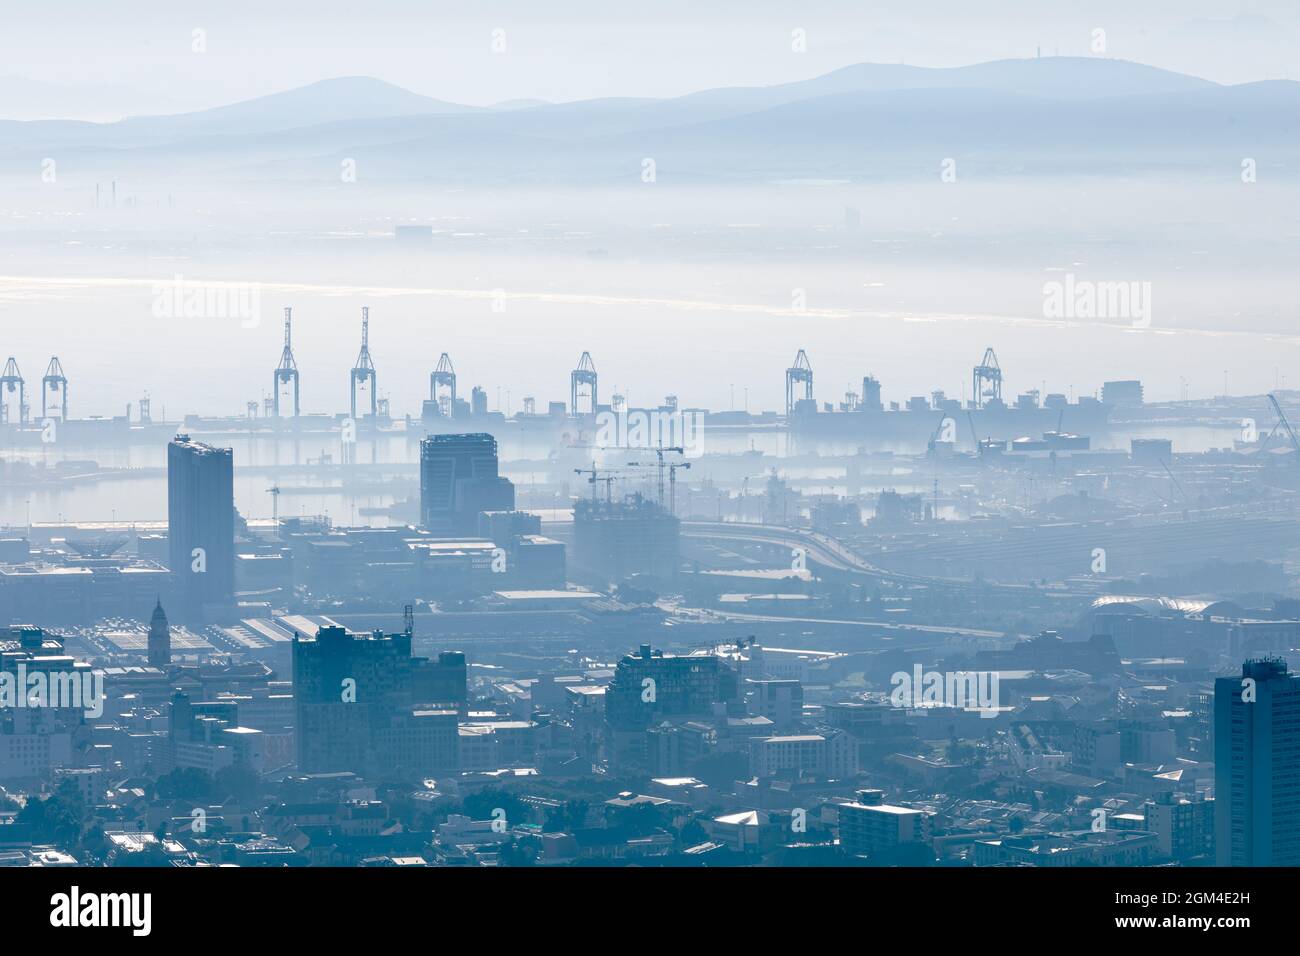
[823, 549]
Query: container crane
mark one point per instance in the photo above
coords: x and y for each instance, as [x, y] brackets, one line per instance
[986, 380]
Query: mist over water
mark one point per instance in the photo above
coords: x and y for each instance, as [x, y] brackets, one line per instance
[908, 281]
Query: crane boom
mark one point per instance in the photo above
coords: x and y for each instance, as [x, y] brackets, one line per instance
[1281, 417]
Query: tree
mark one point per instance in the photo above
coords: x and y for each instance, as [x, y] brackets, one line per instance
[575, 812]
[642, 819]
[184, 783]
[151, 855]
[240, 781]
[519, 852]
[479, 806]
[693, 833]
[556, 820]
[571, 815]
[94, 845]
[56, 818]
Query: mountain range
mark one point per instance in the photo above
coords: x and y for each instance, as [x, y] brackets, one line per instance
[862, 121]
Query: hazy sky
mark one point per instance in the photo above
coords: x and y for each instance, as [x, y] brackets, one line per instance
[574, 49]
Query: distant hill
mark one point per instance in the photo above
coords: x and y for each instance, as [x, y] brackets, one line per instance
[868, 120]
[327, 101]
[1066, 77]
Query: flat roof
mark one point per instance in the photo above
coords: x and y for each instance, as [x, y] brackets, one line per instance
[442, 544]
[767, 574]
[883, 808]
[554, 595]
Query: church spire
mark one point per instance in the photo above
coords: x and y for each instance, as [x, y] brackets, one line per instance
[160, 637]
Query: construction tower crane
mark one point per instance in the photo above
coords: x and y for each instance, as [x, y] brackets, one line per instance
[287, 371]
[583, 376]
[659, 453]
[444, 376]
[672, 485]
[671, 468]
[54, 385]
[799, 373]
[10, 381]
[986, 380]
[595, 476]
[363, 373]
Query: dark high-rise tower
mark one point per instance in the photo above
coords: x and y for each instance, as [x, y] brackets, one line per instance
[458, 479]
[201, 524]
[160, 638]
[363, 703]
[1257, 766]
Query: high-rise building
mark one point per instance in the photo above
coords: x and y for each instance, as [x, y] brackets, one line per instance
[613, 540]
[201, 524]
[780, 701]
[1183, 825]
[1128, 392]
[160, 638]
[833, 754]
[458, 480]
[1257, 766]
[364, 704]
[871, 827]
[649, 686]
[49, 728]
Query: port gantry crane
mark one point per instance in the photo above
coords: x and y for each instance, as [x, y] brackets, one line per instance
[54, 385]
[800, 373]
[583, 375]
[287, 371]
[11, 380]
[986, 379]
[444, 376]
[363, 373]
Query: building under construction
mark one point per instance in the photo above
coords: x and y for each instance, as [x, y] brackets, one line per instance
[613, 540]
